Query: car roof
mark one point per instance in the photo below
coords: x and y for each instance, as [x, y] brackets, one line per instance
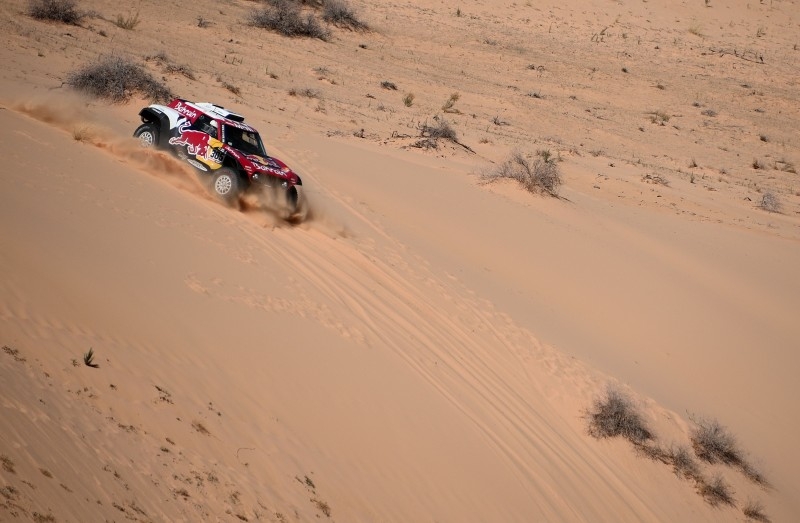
[218, 113]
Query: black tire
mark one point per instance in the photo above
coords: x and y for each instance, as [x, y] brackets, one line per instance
[147, 134]
[298, 204]
[226, 185]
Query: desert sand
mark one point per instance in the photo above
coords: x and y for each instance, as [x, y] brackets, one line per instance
[425, 346]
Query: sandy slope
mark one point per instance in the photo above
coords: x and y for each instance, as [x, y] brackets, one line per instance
[423, 348]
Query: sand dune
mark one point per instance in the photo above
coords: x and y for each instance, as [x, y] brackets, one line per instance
[425, 346]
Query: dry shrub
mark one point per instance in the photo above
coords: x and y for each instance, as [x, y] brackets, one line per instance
[339, 13]
[615, 415]
[683, 463]
[755, 510]
[716, 492]
[431, 134]
[770, 202]
[540, 175]
[116, 78]
[286, 18]
[64, 11]
[714, 444]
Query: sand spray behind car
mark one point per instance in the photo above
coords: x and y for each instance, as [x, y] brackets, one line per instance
[70, 115]
[72, 120]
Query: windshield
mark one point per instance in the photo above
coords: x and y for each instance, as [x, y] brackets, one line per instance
[245, 141]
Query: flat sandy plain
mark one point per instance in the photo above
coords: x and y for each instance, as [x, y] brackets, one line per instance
[425, 346]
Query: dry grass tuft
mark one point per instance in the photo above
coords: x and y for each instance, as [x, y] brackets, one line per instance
[770, 202]
[683, 463]
[614, 414]
[7, 464]
[116, 79]
[540, 175]
[755, 510]
[716, 492]
[340, 14]
[286, 18]
[128, 22]
[64, 11]
[714, 444]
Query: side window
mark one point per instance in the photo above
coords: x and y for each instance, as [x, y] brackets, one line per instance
[204, 124]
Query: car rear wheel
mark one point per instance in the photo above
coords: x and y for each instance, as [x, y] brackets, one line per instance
[147, 134]
[226, 184]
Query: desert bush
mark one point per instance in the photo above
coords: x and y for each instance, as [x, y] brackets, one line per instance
[770, 202]
[683, 463]
[286, 18]
[716, 492]
[448, 105]
[116, 78]
[408, 100]
[391, 86]
[88, 359]
[755, 510]
[614, 415]
[441, 129]
[659, 117]
[64, 11]
[127, 22]
[339, 13]
[540, 175]
[713, 443]
[162, 59]
[431, 134]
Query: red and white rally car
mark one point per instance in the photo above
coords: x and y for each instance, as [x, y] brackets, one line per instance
[218, 142]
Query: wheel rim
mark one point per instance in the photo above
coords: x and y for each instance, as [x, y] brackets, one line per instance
[146, 139]
[223, 184]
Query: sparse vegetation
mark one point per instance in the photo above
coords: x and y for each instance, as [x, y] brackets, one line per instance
[229, 87]
[614, 414]
[755, 510]
[7, 464]
[696, 30]
[286, 18]
[659, 117]
[683, 463]
[716, 491]
[758, 164]
[306, 93]
[448, 105]
[43, 518]
[116, 78]
[88, 359]
[128, 22]
[163, 60]
[199, 427]
[340, 14]
[64, 11]
[389, 85]
[770, 203]
[709, 112]
[713, 444]
[323, 507]
[431, 134]
[441, 129]
[408, 99]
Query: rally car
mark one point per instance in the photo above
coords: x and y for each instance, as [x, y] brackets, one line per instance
[218, 143]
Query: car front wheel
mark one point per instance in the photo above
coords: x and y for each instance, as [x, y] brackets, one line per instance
[147, 135]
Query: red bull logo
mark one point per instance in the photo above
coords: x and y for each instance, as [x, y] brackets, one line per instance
[203, 147]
